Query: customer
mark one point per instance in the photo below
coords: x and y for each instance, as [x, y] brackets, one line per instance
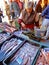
[45, 22]
[15, 9]
[27, 16]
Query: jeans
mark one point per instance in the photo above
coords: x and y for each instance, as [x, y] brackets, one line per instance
[45, 22]
[39, 31]
[47, 33]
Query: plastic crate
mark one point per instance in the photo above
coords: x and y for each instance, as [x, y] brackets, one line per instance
[7, 60]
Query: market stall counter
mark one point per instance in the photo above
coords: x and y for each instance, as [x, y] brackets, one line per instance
[28, 35]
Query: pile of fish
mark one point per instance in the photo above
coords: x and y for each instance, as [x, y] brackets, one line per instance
[43, 57]
[7, 27]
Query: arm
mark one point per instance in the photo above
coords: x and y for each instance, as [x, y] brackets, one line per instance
[20, 21]
[45, 11]
[11, 6]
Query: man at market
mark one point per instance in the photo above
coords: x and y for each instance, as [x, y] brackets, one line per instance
[45, 22]
[27, 16]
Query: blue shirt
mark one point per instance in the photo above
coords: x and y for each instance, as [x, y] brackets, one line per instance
[45, 12]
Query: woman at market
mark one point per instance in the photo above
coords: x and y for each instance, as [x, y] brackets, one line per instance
[27, 16]
[45, 21]
[15, 10]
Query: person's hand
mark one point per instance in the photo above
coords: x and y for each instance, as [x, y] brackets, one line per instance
[23, 25]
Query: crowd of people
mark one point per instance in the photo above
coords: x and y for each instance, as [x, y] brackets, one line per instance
[37, 19]
[31, 19]
[14, 8]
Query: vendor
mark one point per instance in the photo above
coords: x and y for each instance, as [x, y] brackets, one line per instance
[27, 16]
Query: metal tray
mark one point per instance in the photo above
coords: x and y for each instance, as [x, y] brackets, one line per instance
[11, 51]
